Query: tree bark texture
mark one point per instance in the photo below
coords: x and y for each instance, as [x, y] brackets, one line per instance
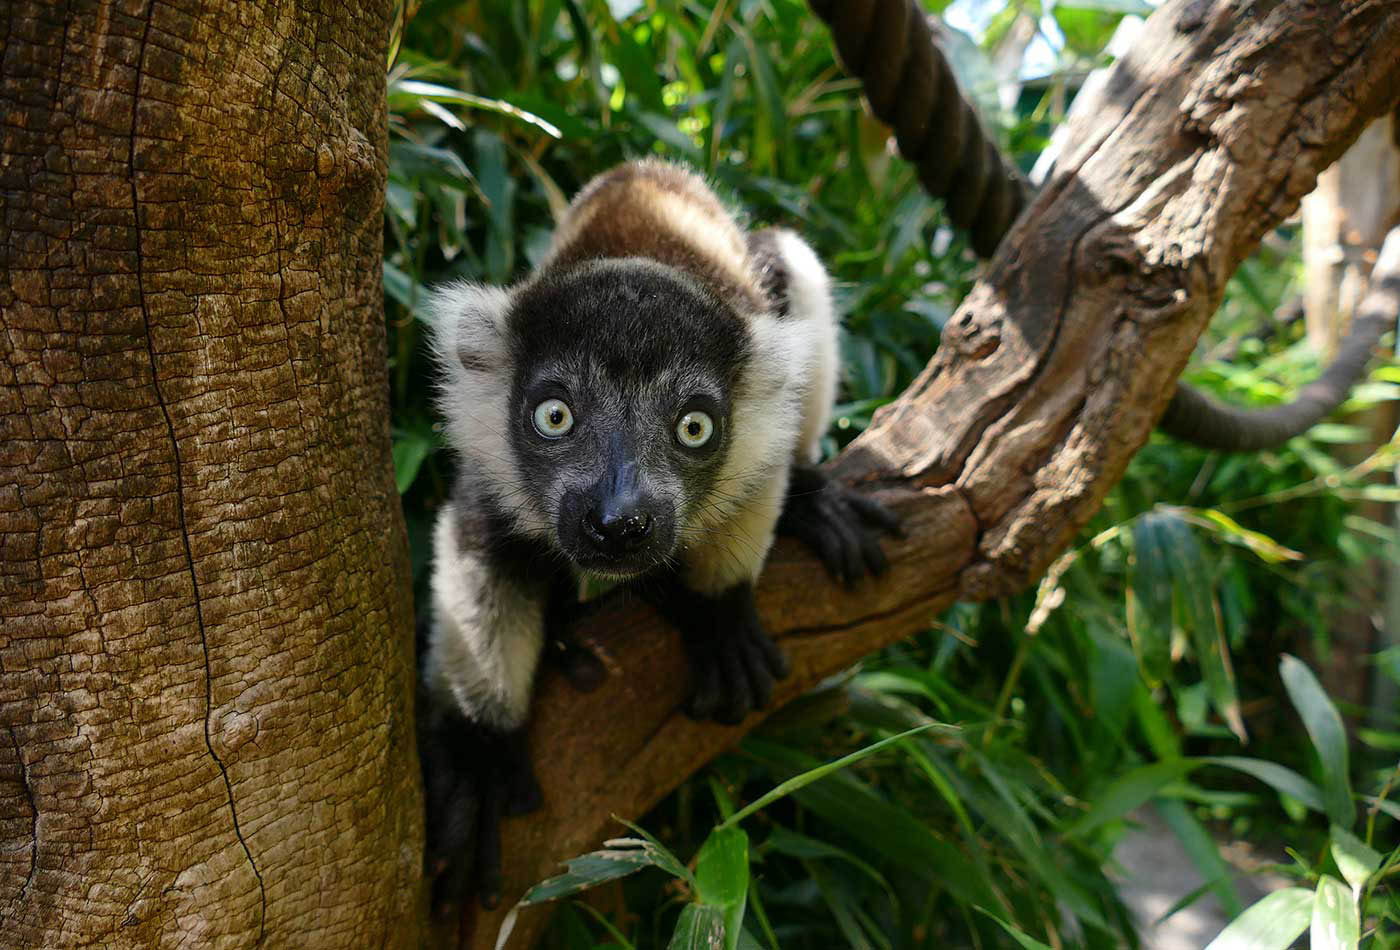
[1050, 377]
[206, 669]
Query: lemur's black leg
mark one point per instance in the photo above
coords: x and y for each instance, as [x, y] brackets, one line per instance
[733, 662]
[473, 774]
[839, 524]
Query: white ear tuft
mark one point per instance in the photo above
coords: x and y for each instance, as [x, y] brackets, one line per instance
[467, 321]
[468, 324]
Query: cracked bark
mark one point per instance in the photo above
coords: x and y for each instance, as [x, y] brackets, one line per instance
[1051, 375]
[205, 648]
[203, 572]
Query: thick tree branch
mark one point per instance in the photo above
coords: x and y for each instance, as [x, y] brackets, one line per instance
[1051, 376]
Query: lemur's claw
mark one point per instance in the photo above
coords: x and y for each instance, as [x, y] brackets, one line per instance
[839, 524]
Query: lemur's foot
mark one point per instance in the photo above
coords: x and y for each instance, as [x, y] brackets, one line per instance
[840, 525]
[473, 774]
[733, 669]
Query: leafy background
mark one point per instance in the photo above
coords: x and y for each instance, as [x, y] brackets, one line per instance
[1131, 679]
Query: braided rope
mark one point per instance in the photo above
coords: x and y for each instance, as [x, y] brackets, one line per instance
[891, 47]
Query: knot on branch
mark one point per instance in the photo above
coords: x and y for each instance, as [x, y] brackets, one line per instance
[1156, 289]
[973, 333]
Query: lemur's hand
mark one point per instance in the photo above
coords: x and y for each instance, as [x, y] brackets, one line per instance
[473, 774]
[839, 524]
[733, 669]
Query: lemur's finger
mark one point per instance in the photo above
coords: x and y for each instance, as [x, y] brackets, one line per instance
[705, 692]
[760, 679]
[875, 513]
[737, 698]
[876, 563]
[773, 656]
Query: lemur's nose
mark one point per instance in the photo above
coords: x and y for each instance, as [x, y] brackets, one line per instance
[617, 528]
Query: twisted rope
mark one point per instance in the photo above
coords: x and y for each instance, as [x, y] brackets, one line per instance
[891, 47]
[911, 88]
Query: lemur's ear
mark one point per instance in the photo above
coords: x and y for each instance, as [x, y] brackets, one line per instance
[468, 328]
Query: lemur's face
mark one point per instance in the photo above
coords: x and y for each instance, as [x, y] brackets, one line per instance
[620, 410]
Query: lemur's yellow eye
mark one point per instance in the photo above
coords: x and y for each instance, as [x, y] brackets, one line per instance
[553, 419]
[694, 429]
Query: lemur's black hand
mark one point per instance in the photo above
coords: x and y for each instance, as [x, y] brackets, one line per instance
[733, 661]
[473, 775]
[732, 671]
[840, 525]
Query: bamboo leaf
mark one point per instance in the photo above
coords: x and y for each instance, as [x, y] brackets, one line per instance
[701, 927]
[1336, 924]
[1130, 791]
[1328, 736]
[1271, 924]
[722, 872]
[1355, 859]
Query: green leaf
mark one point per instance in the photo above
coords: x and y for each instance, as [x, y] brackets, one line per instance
[411, 92]
[701, 927]
[1355, 859]
[587, 870]
[1130, 791]
[1328, 736]
[785, 841]
[410, 449]
[722, 873]
[660, 855]
[894, 833]
[1336, 924]
[1265, 547]
[784, 789]
[1204, 853]
[1271, 924]
[1022, 938]
[1150, 598]
[1278, 777]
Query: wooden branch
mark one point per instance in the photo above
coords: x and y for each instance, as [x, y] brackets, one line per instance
[1051, 375]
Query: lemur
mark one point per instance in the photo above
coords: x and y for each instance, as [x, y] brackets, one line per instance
[648, 404]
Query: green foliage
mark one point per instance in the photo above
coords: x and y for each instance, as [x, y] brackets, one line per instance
[1026, 735]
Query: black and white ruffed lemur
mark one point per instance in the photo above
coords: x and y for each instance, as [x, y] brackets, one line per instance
[648, 404]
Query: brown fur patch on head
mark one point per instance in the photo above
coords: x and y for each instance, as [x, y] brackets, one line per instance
[664, 212]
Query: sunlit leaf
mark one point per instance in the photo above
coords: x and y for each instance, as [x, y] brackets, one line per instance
[1355, 859]
[409, 91]
[1271, 924]
[1336, 923]
[1328, 736]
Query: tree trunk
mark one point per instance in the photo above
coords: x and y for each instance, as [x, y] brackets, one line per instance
[205, 654]
[1050, 376]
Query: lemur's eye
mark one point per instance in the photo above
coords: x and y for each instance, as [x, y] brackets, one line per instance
[553, 419]
[695, 429]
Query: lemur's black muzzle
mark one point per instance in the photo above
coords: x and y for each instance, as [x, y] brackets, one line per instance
[618, 525]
